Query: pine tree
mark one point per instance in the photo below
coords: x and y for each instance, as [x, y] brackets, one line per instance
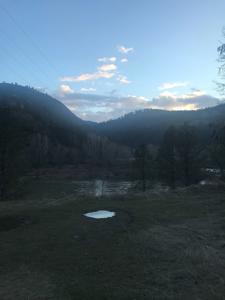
[167, 159]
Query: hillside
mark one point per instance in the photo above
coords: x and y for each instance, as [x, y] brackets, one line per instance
[48, 126]
[143, 126]
[37, 103]
[149, 125]
[44, 133]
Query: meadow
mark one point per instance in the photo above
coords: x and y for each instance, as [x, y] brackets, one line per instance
[160, 245]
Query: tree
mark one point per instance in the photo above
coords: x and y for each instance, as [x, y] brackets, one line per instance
[217, 148]
[188, 152]
[140, 156]
[38, 152]
[179, 156]
[167, 159]
[221, 60]
[12, 142]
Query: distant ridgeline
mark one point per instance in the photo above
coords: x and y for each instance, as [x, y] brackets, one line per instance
[148, 126]
[50, 117]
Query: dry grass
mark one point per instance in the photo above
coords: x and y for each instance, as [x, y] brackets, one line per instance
[167, 245]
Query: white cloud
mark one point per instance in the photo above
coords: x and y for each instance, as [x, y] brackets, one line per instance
[88, 77]
[171, 85]
[107, 68]
[100, 108]
[124, 50]
[123, 79]
[89, 90]
[192, 94]
[107, 59]
[124, 60]
[196, 99]
[66, 89]
[141, 99]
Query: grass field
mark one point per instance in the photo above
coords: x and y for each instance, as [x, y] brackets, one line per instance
[168, 245]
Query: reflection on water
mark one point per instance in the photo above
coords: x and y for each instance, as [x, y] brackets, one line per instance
[100, 214]
[100, 187]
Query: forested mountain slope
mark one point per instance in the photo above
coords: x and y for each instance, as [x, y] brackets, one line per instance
[148, 126]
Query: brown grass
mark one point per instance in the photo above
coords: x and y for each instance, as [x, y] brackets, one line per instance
[167, 245]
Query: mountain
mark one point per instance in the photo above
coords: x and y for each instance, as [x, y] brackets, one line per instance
[38, 133]
[53, 128]
[37, 103]
[149, 125]
[141, 127]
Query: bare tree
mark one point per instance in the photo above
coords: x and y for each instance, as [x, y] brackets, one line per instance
[217, 148]
[221, 60]
[167, 159]
[140, 156]
[188, 152]
[12, 142]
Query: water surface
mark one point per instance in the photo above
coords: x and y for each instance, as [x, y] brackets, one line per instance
[101, 187]
[100, 214]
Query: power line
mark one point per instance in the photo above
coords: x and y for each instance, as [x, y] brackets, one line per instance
[35, 45]
[15, 71]
[27, 57]
[15, 59]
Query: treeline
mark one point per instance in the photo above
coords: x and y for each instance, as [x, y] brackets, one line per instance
[38, 132]
[27, 144]
[148, 126]
[181, 159]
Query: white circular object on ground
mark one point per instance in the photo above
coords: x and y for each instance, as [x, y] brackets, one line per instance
[100, 214]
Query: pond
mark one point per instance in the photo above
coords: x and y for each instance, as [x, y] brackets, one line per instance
[100, 187]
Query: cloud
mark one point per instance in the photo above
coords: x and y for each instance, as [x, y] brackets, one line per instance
[193, 100]
[103, 107]
[41, 89]
[87, 77]
[171, 85]
[107, 59]
[123, 79]
[100, 108]
[107, 68]
[104, 71]
[124, 50]
[88, 90]
[66, 89]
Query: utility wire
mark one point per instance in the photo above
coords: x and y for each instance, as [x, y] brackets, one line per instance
[15, 59]
[14, 71]
[35, 45]
[27, 57]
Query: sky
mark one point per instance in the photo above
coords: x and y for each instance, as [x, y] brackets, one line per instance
[106, 58]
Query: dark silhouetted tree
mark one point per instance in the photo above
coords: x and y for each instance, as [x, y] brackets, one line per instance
[217, 148]
[140, 156]
[188, 153]
[13, 136]
[167, 160]
[221, 60]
